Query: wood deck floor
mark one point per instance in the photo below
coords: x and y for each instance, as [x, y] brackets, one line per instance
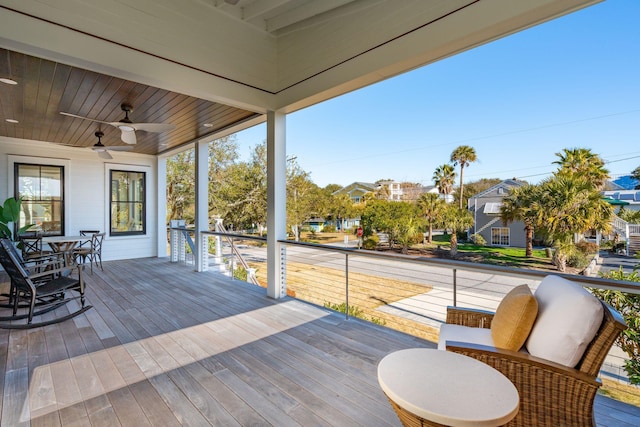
[165, 346]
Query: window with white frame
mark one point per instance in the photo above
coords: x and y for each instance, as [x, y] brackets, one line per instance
[128, 203]
[500, 236]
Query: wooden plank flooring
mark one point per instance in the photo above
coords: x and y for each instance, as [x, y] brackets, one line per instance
[165, 346]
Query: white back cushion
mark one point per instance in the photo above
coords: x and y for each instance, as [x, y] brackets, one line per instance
[568, 319]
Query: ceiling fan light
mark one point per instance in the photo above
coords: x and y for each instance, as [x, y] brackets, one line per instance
[126, 128]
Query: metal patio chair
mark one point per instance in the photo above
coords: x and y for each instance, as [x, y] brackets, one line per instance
[39, 293]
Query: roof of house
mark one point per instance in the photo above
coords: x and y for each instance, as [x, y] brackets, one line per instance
[365, 186]
[508, 183]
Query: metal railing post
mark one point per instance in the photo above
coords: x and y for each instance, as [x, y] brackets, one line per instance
[455, 287]
[346, 275]
[231, 258]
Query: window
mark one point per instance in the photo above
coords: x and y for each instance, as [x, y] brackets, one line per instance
[500, 236]
[128, 203]
[492, 208]
[42, 190]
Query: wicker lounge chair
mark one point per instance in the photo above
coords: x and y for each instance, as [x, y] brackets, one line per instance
[551, 394]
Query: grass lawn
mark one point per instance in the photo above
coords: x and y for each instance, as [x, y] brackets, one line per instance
[496, 255]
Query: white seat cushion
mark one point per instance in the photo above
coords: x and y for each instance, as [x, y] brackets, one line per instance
[461, 333]
[568, 319]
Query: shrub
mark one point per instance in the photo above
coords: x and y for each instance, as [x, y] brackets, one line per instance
[240, 273]
[371, 242]
[577, 259]
[477, 239]
[629, 306]
[329, 229]
[587, 247]
[353, 312]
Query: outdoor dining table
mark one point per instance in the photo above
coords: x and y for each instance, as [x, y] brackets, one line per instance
[65, 244]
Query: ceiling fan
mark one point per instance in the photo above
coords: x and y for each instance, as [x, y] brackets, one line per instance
[103, 150]
[127, 127]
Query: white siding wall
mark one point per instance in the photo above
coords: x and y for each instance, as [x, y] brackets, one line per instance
[87, 190]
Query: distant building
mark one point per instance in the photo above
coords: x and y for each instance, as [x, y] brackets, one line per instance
[485, 208]
[393, 190]
[357, 190]
[629, 199]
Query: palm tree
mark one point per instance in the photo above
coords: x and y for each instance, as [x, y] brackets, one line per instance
[463, 156]
[457, 220]
[569, 205]
[444, 178]
[522, 204]
[582, 162]
[432, 207]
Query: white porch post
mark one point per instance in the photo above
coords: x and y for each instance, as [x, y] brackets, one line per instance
[161, 208]
[276, 203]
[202, 203]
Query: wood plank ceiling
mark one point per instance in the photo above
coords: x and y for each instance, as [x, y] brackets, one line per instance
[46, 88]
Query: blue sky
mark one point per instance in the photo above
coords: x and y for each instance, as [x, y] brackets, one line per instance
[572, 82]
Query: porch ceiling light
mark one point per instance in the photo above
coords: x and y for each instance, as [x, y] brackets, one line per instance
[8, 81]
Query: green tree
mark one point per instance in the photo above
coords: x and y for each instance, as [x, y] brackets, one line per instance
[395, 218]
[522, 204]
[303, 198]
[457, 220]
[444, 178]
[584, 163]
[432, 208]
[340, 208]
[569, 205]
[244, 192]
[181, 186]
[463, 156]
[223, 154]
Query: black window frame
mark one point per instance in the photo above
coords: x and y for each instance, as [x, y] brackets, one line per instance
[144, 203]
[16, 192]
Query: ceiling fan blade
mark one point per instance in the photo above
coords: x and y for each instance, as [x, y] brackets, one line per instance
[104, 155]
[120, 148]
[83, 118]
[154, 127]
[128, 136]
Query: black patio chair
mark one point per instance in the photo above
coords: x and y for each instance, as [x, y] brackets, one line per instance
[93, 252]
[31, 245]
[38, 297]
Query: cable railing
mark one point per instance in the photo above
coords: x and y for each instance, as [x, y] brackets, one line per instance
[402, 292]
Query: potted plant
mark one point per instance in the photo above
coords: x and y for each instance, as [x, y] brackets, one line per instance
[9, 217]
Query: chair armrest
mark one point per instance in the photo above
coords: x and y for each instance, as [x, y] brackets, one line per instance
[53, 272]
[509, 362]
[469, 317]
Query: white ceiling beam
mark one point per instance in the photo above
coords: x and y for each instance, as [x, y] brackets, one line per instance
[303, 12]
[259, 9]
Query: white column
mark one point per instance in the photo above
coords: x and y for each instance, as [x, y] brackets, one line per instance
[276, 203]
[202, 200]
[161, 208]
